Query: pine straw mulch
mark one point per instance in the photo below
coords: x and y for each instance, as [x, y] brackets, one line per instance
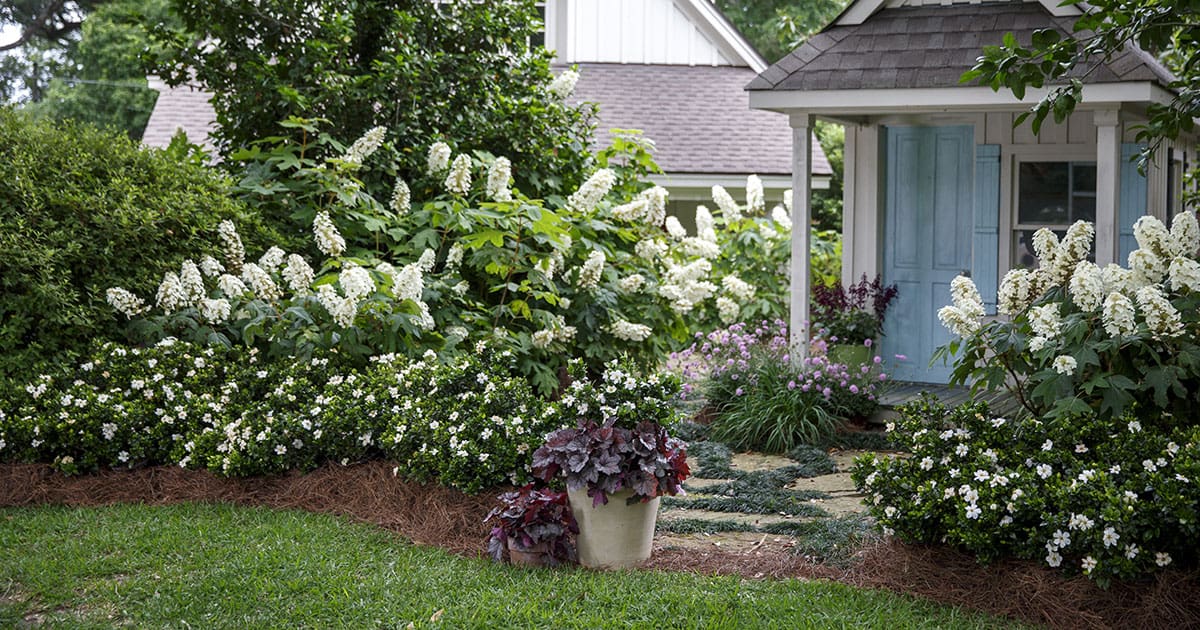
[438, 516]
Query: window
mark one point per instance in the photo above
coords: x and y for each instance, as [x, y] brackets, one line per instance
[1052, 195]
[539, 38]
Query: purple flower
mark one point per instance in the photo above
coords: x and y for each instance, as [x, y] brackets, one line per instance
[867, 343]
[901, 357]
[738, 392]
[854, 389]
[791, 385]
[827, 392]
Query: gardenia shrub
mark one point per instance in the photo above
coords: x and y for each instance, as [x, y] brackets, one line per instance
[82, 210]
[471, 424]
[1109, 498]
[763, 401]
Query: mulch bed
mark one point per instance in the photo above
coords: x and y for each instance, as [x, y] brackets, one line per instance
[438, 516]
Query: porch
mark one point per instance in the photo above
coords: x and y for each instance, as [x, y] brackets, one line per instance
[1001, 403]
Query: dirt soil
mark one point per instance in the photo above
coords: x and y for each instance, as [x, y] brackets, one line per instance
[433, 515]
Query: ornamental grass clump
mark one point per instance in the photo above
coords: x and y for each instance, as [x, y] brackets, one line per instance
[620, 441]
[765, 402]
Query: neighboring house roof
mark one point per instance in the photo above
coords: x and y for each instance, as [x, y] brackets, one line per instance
[931, 47]
[699, 118]
[185, 107]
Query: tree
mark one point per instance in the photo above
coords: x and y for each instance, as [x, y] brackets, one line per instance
[45, 30]
[776, 27]
[1164, 27]
[462, 72]
[102, 79]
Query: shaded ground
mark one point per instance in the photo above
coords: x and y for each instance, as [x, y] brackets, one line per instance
[434, 515]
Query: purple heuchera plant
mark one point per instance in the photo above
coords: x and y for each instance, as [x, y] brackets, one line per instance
[606, 459]
[531, 516]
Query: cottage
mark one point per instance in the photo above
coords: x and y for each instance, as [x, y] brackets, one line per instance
[938, 181]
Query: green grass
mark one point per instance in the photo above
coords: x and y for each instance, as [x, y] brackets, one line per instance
[214, 566]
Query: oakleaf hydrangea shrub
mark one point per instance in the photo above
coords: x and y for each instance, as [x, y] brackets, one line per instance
[1079, 339]
[234, 413]
[1108, 498]
[762, 400]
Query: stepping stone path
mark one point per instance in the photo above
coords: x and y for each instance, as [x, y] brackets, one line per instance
[836, 498]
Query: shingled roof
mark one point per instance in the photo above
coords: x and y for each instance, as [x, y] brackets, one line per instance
[184, 107]
[698, 116]
[931, 47]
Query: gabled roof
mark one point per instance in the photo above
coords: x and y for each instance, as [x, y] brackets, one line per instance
[185, 107]
[710, 19]
[699, 118]
[931, 47]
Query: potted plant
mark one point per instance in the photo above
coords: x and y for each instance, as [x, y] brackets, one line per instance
[617, 461]
[535, 526]
[851, 318]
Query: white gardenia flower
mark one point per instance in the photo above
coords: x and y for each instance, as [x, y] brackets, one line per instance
[1016, 292]
[780, 216]
[592, 270]
[728, 310]
[1110, 537]
[1162, 559]
[630, 331]
[231, 286]
[592, 191]
[738, 288]
[1161, 317]
[1064, 364]
[754, 195]
[1153, 237]
[497, 183]
[214, 311]
[1045, 320]
[650, 249]
[729, 208]
[458, 181]
[260, 282]
[298, 274]
[1087, 286]
[631, 284]
[329, 240]
[1185, 232]
[563, 85]
[1118, 315]
[675, 229]
[210, 266]
[356, 282]
[1146, 267]
[1184, 274]
[401, 197]
[438, 160]
[125, 302]
[231, 244]
[171, 296]
[365, 146]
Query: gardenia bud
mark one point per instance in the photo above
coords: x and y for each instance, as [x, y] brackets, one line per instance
[439, 158]
[497, 184]
[458, 182]
[329, 240]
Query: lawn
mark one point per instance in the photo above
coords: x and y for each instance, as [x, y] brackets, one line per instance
[216, 566]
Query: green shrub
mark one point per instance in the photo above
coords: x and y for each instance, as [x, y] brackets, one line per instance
[82, 210]
[1107, 497]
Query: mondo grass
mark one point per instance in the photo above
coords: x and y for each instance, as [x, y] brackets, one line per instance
[774, 422]
[217, 566]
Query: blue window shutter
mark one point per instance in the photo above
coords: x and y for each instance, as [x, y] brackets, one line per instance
[1133, 200]
[986, 245]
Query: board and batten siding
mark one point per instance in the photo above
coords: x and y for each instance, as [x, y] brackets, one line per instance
[633, 31]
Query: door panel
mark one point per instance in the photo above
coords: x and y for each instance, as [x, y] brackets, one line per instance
[927, 240]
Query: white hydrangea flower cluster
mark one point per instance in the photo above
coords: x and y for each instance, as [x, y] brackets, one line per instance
[656, 205]
[125, 303]
[1016, 292]
[964, 317]
[631, 284]
[705, 224]
[1118, 315]
[592, 270]
[171, 295]
[192, 282]
[563, 85]
[1065, 364]
[592, 191]
[1184, 274]
[729, 208]
[271, 260]
[650, 249]
[728, 310]
[261, 282]
[1117, 278]
[298, 275]
[1186, 233]
[214, 311]
[401, 197]
[1161, 317]
[696, 247]
[329, 240]
[1046, 322]
[458, 181]
[686, 285]
[232, 286]
[557, 331]
[1087, 286]
[675, 229]
[497, 182]
[738, 288]
[356, 282]
[231, 244]
[366, 146]
[629, 331]
[780, 215]
[342, 309]
[438, 159]
[211, 267]
[755, 201]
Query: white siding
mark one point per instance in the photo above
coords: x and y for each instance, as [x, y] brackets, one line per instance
[635, 31]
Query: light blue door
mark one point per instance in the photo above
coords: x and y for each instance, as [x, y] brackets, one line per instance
[928, 231]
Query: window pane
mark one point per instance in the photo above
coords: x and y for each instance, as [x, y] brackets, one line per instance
[1044, 193]
[1085, 177]
[1083, 208]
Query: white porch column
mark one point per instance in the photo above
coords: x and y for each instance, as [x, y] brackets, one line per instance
[801, 233]
[1108, 185]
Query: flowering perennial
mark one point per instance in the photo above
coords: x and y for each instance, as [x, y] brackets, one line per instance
[329, 240]
[497, 182]
[592, 191]
[439, 159]
[458, 181]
